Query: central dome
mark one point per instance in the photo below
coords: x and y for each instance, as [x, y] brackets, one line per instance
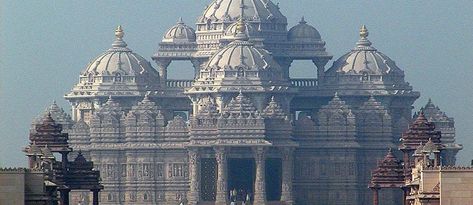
[240, 64]
[254, 10]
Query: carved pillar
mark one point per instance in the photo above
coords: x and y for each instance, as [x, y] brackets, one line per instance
[320, 63]
[260, 181]
[194, 176]
[163, 65]
[195, 104]
[287, 175]
[95, 199]
[64, 161]
[221, 196]
[219, 100]
[406, 164]
[197, 64]
[375, 196]
[437, 159]
[285, 64]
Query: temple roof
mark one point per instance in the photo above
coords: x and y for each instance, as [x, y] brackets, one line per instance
[253, 10]
[434, 114]
[420, 131]
[180, 33]
[274, 110]
[364, 58]
[388, 173]
[303, 32]
[49, 133]
[240, 106]
[57, 113]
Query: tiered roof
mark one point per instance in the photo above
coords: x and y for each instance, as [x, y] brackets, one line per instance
[81, 174]
[419, 132]
[240, 106]
[388, 173]
[48, 132]
[274, 110]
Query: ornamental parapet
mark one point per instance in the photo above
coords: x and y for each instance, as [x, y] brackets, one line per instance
[304, 82]
[179, 83]
[456, 168]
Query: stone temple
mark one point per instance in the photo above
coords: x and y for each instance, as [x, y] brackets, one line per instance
[242, 123]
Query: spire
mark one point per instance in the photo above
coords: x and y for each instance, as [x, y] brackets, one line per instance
[302, 20]
[363, 42]
[119, 43]
[242, 9]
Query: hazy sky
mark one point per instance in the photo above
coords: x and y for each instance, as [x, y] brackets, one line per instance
[45, 44]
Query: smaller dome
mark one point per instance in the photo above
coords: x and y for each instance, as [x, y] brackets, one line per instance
[180, 33]
[250, 30]
[242, 54]
[304, 32]
[364, 60]
[120, 61]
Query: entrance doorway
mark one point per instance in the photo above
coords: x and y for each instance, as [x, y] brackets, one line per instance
[208, 175]
[273, 179]
[241, 177]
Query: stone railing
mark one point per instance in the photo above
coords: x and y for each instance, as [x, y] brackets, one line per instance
[179, 83]
[298, 82]
[304, 82]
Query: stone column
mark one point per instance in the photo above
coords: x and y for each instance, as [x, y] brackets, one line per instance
[407, 164]
[260, 181]
[375, 196]
[194, 178]
[163, 65]
[95, 199]
[221, 195]
[197, 64]
[287, 175]
[320, 63]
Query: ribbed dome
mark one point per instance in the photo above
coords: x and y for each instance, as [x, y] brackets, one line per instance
[242, 54]
[304, 32]
[120, 61]
[254, 10]
[250, 31]
[364, 59]
[180, 33]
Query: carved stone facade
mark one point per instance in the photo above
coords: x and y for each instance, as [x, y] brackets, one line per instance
[300, 141]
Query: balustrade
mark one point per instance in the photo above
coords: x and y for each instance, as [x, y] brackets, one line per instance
[304, 82]
[179, 83]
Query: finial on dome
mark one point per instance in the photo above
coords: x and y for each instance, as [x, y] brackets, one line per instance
[119, 33]
[241, 30]
[303, 20]
[180, 21]
[363, 43]
[364, 32]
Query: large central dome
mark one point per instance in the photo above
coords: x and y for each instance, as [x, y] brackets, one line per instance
[254, 10]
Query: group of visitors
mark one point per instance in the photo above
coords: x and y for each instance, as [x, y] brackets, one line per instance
[242, 196]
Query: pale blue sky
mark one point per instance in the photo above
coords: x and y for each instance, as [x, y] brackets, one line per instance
[45, 44]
